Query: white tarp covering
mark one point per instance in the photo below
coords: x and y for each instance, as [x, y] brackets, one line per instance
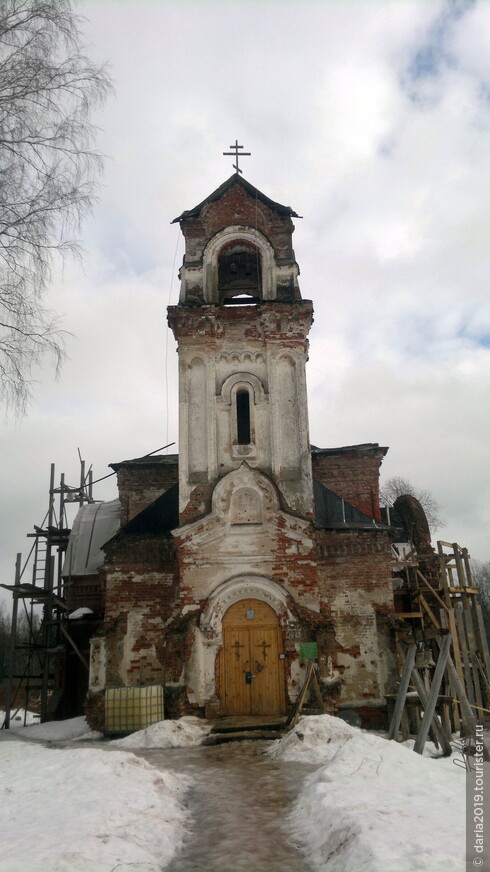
[94, 525]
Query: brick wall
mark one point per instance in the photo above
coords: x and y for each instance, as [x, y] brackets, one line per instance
[142, 481]
[141, 599]
[355, 586]
[236, 206]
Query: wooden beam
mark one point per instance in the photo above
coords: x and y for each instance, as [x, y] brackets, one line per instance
[425, 605]
[441, 734]
[406, 615]
[74, 646]
[482, 637]
[402, 691]
[468, 678]
[461, 695]
[456, 647]
[433, 592]
[433, 694]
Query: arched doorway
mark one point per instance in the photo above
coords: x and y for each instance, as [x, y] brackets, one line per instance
[252, 668]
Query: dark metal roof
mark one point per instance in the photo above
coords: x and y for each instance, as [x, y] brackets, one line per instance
[147, 460]
[334, 513]
[235, 179]
[345, 449]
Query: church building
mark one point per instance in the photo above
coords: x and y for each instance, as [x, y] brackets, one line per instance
[220, 570]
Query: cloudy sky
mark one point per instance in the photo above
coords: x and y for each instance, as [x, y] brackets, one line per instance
[370, 119]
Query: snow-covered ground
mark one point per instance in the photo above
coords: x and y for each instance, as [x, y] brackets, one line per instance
[374, 805]
[370, 804]
[17, 718]
[73, 728]
[84, 809]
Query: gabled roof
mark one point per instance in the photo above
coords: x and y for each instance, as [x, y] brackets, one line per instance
[236, 179]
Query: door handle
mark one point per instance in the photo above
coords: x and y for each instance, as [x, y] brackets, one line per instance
[248, 676]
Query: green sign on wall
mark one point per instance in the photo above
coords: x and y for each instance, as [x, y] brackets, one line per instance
[308, 651]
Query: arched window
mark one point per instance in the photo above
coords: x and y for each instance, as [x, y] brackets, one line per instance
[243, 417]
[239, 274]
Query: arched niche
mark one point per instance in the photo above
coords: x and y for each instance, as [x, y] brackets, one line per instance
[256, 267]
[239, 272]
[197, 423]
[245, 507]
[238, 588]
[241, 393]
[287, 423]
[244, 478]
[242, 379]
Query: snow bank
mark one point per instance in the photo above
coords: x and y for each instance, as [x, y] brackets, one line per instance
[73, 728]
[314, 739]
[375, 805]
[86, 810]
[167, 734]
[17, 718]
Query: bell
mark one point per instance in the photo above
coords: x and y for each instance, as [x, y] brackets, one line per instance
[424, 659]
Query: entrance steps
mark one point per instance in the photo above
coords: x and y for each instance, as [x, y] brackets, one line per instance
[241, 728]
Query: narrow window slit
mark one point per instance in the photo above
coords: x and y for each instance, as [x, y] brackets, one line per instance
[243, 417]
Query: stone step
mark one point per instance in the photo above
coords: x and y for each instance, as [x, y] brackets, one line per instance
[219, 738]
[249, 726]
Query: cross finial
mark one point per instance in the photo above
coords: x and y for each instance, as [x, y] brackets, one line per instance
[237, 154]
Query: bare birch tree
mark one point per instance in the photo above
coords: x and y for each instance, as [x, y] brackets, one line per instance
[397, 486]
[48, 170]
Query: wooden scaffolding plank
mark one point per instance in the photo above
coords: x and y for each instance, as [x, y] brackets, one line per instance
[472, 648]
[460, 569]
[459, 690]
[433, 592]
[482, 638]
[433, 694]
[456, 647]
[442, 736]
[402, 692]
[311, 678]
[425, 605]
[468, 677]
[443, 570]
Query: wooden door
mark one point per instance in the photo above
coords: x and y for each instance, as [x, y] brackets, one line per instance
[253, 672]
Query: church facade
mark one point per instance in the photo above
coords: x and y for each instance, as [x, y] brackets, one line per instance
[216, 567]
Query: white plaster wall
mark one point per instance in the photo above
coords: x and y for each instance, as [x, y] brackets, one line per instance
[97, 665]
[213, 549]
[362, 673]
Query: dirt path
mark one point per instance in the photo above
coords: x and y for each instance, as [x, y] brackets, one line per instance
[239, 804]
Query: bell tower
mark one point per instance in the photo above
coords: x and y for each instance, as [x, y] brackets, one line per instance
[242, 332]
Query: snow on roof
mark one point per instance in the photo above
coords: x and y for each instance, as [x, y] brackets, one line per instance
[93, 526]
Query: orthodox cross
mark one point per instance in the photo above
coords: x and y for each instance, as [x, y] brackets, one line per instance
[264, 645]
[237, 154]
[236, 645]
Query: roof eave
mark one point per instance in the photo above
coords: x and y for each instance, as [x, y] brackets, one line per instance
[251, 189]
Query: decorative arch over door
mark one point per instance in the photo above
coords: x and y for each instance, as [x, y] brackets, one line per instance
[252, 673]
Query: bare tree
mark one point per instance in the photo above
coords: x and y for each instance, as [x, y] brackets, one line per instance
[480, 571]
[396, 486]
[48, 170]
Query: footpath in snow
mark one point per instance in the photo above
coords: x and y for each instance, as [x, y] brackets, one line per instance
[327, 798]
[239, 805]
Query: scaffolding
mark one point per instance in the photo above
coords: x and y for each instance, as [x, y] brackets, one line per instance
[441, 602]
[39, 582]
